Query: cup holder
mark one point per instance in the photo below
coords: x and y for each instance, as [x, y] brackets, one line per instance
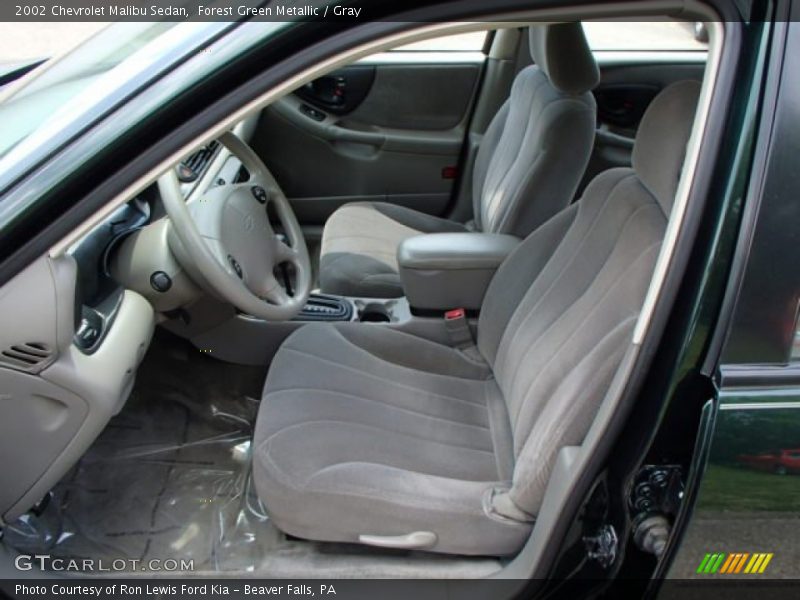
[374, 312]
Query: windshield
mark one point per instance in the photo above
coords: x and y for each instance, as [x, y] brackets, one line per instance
[25, 42]
[60, 88]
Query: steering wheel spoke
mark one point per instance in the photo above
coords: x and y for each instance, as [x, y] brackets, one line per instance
[275, 293]
[284, 252]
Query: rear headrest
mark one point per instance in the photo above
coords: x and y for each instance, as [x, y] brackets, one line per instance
[661, 140]
[562, 52]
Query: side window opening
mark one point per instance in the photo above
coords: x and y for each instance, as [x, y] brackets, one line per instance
[459, 42]
[646, 36]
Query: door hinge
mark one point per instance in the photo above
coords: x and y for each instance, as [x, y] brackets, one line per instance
[657, 489]
[655, 501]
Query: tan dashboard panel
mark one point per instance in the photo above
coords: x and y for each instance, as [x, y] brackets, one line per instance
[52, 409]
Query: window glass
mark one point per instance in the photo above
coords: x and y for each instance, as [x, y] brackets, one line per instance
[646, 36]
[51, 95]
[796, 346]
[460, 42]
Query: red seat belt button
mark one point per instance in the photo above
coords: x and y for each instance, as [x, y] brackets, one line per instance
[456, 313]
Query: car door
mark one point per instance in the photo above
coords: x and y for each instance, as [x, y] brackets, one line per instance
[745, 515]
[388, 128]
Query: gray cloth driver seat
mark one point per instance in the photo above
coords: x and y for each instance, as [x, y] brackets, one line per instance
[529, 164]
[368, 434]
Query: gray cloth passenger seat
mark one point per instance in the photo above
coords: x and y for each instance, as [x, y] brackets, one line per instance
[367, 434]
[529, 164]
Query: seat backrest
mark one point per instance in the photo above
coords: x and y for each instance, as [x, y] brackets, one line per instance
[560, 312]
[536, 148]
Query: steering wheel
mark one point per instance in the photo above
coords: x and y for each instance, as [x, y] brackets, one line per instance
[227, 236]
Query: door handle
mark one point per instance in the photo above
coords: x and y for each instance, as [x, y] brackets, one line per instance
[329, 90]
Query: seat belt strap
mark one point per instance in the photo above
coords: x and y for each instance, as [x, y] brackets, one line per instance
[460, 334]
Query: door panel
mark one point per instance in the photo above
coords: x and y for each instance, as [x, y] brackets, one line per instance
[386, 131]
[423, 97]
[620, 106]
[750, 495]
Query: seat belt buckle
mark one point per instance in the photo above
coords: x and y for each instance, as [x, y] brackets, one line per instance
[457, 326]
[455, 321]
[456, 313]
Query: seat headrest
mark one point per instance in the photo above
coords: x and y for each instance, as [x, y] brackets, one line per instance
[562, 52]
[660, 146]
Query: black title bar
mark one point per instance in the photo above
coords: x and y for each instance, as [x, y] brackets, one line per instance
[181, 10]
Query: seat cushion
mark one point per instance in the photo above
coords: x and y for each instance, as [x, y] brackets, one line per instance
[359, 247]
[365, 430]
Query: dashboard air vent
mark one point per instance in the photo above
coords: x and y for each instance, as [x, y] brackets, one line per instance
[27, 356]
[191, 168]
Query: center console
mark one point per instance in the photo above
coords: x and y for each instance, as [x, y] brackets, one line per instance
[441, 271]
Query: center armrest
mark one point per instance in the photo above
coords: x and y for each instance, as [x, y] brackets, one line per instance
[441, 271]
